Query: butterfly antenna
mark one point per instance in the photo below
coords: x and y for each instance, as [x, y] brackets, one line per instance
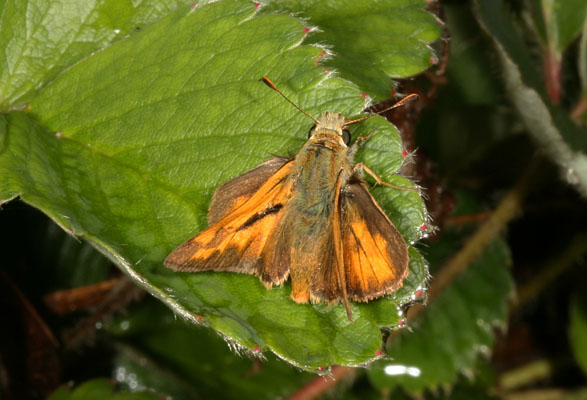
[268, 82]
[402, 102]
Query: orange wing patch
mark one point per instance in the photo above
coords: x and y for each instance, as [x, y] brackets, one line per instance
[234, 193]
[236, 242]
[375, 254]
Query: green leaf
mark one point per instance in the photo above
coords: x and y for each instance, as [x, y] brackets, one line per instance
[578, 329]
[453, 330]
[126, 147]
[564, 21]
[371, 40]
[98, 388]
[42, 38]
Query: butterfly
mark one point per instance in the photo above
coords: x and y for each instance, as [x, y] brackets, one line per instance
[310, 219]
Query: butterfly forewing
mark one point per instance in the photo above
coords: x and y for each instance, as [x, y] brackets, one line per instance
[237, 241]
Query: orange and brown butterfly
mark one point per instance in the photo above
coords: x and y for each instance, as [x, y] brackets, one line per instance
[310, 219]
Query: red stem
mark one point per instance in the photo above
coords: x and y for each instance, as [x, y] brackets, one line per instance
[552, 75]
[318, 386]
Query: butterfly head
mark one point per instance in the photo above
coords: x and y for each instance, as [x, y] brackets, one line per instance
[331, 124]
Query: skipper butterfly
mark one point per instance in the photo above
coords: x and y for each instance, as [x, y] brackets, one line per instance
[310, 219]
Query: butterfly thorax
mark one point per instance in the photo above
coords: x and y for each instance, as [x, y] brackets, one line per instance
[315, 170]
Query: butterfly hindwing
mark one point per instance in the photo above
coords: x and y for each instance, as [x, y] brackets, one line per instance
[375, 255]
[328, 275]
[312, 262]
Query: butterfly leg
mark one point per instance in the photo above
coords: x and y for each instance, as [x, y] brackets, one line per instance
[360, 167]
[355, 146]
[363, 138]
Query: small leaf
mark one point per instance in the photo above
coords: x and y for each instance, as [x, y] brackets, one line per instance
[453, 330]
[564, 20]
[372, 40]
[98, 388]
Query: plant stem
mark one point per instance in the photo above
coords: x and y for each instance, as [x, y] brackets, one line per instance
[321, 384]
[579, 110]
[552, 75]
[530, 373]
[547, 394]
[506, 210]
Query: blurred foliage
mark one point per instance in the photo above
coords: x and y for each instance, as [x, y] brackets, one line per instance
[118, 121]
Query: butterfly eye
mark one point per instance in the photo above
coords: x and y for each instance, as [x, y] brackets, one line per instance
[311, 131]
[346, 136]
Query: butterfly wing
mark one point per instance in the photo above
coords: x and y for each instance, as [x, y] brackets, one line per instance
[234, 193]
[375, 254]
[310, 257]
[237, 241]
[317, 270]
[372, 251]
